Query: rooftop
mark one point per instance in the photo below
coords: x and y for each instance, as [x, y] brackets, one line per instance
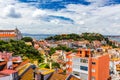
[72, 77]
[45, 71]
[58, 76]
[3, 75]
[99, 54]
[7, 71]
[115, 59]
[7, 35]
[7, 30]
[21, 69]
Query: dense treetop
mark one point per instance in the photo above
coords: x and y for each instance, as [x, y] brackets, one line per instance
[27, 39]
[20, 48]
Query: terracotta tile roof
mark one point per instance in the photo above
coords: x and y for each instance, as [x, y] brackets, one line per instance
[8, 71]
[58, 76]
[3, 63]
[68, 53]
[118, 67]
[7, 35]
[21, 70]
[23, 63]
[74, 78]
[45, 71]
[15, 65]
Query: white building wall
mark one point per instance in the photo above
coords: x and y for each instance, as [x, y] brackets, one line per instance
[6, 78]
[77, 62]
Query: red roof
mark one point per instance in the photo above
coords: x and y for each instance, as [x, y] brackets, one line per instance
[24, 62]
[8, 71]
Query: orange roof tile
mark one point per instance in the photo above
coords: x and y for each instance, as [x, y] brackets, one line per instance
[7, 35]
[23, 63]
[8, 71]
[3, 63]
[74, 78]
[57, 76]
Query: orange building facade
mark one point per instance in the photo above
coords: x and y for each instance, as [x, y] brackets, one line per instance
[87, 66]
[6, 35]
[69, 63]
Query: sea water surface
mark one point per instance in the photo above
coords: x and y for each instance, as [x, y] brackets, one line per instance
[38, 36]
[43, 36]
[116, 39]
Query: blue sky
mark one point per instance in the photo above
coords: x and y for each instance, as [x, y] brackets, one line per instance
[54, 4]
[61, 16]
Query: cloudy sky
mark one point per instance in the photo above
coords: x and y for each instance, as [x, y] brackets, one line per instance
[61, 16]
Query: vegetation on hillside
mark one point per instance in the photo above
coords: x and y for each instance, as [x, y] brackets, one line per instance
[76, 37]
[83, 36]
[61, 47]
[20, 48]
[92, 36]
[46, 65]
[27, 39]
[64, 48]
[110, 43]
[52, 51]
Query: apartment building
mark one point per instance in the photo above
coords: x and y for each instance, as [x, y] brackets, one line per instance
[87, 66]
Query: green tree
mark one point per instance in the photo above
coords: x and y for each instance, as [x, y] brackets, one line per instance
[52, 51]
[61, 47]
[20, 48]
[55, 65]
[27, 39]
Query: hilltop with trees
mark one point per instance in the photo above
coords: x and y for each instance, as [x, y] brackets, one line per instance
[20, 48]
[76, 37]
[84, 36]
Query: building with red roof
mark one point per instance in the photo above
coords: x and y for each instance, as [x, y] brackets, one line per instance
[8, 75]
[6, 35]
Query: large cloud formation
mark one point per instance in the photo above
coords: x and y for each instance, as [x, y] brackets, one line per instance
[99, 16]
[10, 11]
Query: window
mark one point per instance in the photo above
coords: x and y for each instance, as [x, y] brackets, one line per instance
[76, 73]
[76, 67]
[83, 60]
[93, 63]
[80, 52]
[93, 70]
[93, 78]
[76, 60]
[84, 68]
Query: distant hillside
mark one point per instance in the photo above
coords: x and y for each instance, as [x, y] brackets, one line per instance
[83, 36]
[47, 36]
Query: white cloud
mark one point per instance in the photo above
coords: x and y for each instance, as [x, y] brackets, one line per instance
[10, 11]
[86, 18]
[39, 13]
